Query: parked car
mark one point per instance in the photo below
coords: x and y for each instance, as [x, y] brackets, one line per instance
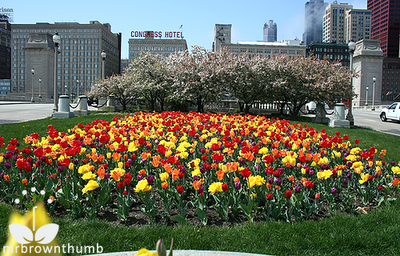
[392, 112]
[312, 106]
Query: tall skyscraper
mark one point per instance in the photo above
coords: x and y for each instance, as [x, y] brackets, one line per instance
[386, 24]
[333, 26]
[385, 27]
[357, 25]
[270, 31]
[314, 13]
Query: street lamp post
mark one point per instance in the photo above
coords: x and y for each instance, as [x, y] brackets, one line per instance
[56, 40]
[373, 93]
[350, 117]
[40, 85]
[77, 88]
[366, 96]
[33, 75]
[103, 56]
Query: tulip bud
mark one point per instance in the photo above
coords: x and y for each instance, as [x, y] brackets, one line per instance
[160, 247]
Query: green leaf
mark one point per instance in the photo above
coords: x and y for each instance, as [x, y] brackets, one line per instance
[178, 218]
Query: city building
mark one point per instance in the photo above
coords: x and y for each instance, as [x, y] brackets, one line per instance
[385, 25]
[270, 32]
[5, 86]
[222, 38]
[5, 49]
[158, 42]
[314, 14]
[330, 51]
[79, 62]
[333, 22]
[124, 65]
[357, 25]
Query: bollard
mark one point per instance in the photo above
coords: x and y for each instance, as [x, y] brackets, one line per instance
[63, 108]
[82, 107]
[320, 115]
[339, 118]
[63, 103]
[339, 113]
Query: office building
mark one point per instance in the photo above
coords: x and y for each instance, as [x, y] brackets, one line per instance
[5, 49]
[222, 38]
[314, 14]
[79, 62]
[124, 65]
[385, 24]
[331, 52]
[357, 25]
[163, 43]
[333, 22]
[270, 32]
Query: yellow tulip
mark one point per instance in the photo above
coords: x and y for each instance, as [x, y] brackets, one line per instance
[32, 234]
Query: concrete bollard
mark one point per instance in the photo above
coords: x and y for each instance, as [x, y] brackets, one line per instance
[339, 118]
[110, 106]
[111, 101]
[63, 103]
[82, 108]
[320, 114]
[340, 113]
[63, 108]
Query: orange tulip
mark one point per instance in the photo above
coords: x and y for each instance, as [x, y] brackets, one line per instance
[196, 185]
[220, 174]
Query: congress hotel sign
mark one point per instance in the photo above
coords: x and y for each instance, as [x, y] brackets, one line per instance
[157, 34]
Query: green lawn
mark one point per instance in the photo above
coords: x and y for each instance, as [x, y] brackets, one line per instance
[375, 233]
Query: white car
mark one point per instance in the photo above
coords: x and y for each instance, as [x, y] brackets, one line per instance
[311, 106]
[392, 112]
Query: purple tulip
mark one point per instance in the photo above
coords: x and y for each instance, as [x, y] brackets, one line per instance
[201, 190]
[139, 177]
[333, 190]
[150, 179]
[297, 189]
[271, 180]
[311, 172]
[237, 185]
[345, 181]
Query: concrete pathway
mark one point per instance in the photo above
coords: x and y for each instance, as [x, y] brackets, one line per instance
[186, 253]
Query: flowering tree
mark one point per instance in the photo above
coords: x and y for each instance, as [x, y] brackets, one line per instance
[300, 80]
[120, 86]
[246, 78]
[194, 76]
[152, 76]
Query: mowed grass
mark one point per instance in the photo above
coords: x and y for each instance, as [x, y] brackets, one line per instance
[375, 233]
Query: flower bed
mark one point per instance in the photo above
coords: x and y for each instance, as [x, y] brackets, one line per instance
[234, 164]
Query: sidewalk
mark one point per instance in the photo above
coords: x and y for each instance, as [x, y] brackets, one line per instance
[186, 253]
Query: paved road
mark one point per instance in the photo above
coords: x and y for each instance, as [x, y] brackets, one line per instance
[16, 112]
[370, 119]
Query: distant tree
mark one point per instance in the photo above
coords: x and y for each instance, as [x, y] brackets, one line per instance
[300, 80]
[152, 76]
[194, 76]
[122, 87]
[247, 78]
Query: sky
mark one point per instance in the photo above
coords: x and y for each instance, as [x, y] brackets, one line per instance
[197, 17]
